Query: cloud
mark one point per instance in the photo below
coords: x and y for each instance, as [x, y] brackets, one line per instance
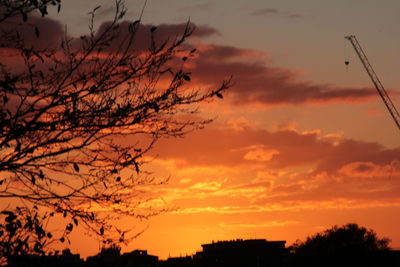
[264, 11]
[50, 32]
[283, 149]
[256, 82]
[262, 171]
[260, 154]
[295, 205]
[274, 11]
[370, 170]
[142, 40]
[257, 225]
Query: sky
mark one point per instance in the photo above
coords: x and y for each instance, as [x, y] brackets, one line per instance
[299, 143]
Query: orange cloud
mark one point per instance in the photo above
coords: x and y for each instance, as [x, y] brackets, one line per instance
[260, 154]
[257, 171]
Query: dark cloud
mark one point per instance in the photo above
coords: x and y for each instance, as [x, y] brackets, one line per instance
[264, 11]
[106, 11]
[255, 82]
[38, 32]
[274, 11]
[163, 32]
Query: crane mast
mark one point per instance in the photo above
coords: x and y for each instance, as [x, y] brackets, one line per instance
[375, 80]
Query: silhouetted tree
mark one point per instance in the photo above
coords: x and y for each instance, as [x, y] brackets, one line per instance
[78, 116]
[13, 8]
[23, 231]
[348, 245]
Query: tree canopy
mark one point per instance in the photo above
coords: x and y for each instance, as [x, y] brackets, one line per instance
[342, 245]
[78, 115]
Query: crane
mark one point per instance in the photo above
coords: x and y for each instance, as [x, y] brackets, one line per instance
[375, 80]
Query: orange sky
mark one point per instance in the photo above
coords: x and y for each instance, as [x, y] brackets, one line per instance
[299, 142]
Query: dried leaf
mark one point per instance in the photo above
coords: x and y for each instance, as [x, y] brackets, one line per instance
[37, 32]
[69, 227]
[136, 166]
[24, 16]
[76, 167]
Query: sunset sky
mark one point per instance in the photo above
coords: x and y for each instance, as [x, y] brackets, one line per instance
[300, 142]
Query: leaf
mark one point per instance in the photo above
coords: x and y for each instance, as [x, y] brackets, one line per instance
[102, 230]
[118, 179]
[33, 179]
[136, 167]
[38, 248]
[184, 58]
[6, 212]
[76, 167]
[186, 77]
[135, 22]
[156, 107]
[219, 95]
[18, 146]
[58, 8]
[69, 227]
[76, 221]
[62, 239]
[49, 235]
[37, 32]
[24, 16]
[43, 11]
[11, 217]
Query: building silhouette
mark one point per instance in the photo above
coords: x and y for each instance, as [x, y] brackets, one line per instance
[65, 259]
[239, 252]
[111, 257]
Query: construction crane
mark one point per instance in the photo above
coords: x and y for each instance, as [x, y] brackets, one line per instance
[375, 80]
